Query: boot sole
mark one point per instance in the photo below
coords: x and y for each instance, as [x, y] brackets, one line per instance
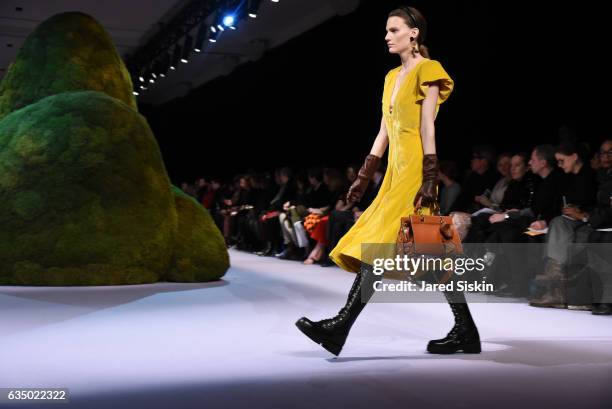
[329, 346]
[466, 349]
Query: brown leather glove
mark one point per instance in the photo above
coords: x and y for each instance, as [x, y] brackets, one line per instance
[355, 192]
[428, 192]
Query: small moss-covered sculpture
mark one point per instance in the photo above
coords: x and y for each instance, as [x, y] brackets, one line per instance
[200, 253]
[85, 198]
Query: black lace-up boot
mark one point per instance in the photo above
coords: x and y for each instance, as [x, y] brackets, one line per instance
[464, 334]
[331, 333]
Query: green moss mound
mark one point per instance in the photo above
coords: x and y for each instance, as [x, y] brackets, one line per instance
[84, 195]
[68, 52]
[200, 252]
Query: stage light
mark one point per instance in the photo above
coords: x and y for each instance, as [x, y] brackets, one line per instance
[135, 93]
[214, 35]
[274, 1]
[164, 64]
[213, 29]
[252, 7]
[175, 57]
[220, 27]
[187, 49]
[228, 20]
[141, 79]
[148, 77]
[200, 37]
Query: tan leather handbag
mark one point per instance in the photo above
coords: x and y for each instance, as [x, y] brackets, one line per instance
[430, 236]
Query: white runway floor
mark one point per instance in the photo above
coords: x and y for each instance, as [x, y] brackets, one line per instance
[233, 344]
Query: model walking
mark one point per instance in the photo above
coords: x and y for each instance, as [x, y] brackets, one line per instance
[412, 95]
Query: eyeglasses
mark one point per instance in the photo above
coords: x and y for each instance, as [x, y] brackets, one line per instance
[608, 152]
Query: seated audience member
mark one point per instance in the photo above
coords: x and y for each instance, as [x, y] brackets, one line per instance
[211, 197]
[344, 215]
[496, 196]
[250, 229]
[241, 200]
[315, 223]
[546, 204]
[269, 219]
[450, 188]
[600, 219]
[579, 195]
[316, 195]
[481, 177]
[518, 195]
[188, 188]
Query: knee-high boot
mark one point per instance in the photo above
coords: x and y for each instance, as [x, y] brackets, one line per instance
[331, 333]
[464, 334]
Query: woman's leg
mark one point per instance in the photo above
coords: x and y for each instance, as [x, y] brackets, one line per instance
[331, 333]
[316, 254]
[464, 334]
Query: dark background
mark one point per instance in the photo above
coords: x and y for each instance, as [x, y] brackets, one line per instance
[520, 73]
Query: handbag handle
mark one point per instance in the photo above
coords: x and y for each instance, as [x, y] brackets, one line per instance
[434, 208]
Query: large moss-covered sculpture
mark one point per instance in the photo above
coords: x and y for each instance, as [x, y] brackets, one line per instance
[85, 198]
[67, 52]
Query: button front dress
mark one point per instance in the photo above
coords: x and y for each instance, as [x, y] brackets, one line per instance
[380, 222]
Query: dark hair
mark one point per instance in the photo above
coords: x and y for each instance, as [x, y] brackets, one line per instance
[504, 155]
[316, 172]
[285, 171]
[569, 148]
[547, 153]
[485, 152]
[449, 169]
[414, 19]
[523, 155]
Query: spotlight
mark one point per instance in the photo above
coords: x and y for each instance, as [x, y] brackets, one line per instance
[274, 1]
[228, 20]
[148, 77]
[164, 64]
[200, 37]
[141, 79]
[252, 7]
[175, 57]
[220, 27]
[135, 93]
[187, 49]
[213, 35]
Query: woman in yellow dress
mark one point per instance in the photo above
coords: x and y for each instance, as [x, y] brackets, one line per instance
[412, 96]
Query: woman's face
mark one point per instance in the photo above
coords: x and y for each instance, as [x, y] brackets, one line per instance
[566, 162]
[351, 173]
[244, 183]
[518, 167]
[398, 35]
[503, 166]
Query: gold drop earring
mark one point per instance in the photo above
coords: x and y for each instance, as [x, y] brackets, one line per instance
[415, 47]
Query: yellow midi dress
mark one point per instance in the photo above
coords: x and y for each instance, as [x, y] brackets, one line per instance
[380, 222]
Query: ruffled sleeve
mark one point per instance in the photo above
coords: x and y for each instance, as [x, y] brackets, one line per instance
[431, 72]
